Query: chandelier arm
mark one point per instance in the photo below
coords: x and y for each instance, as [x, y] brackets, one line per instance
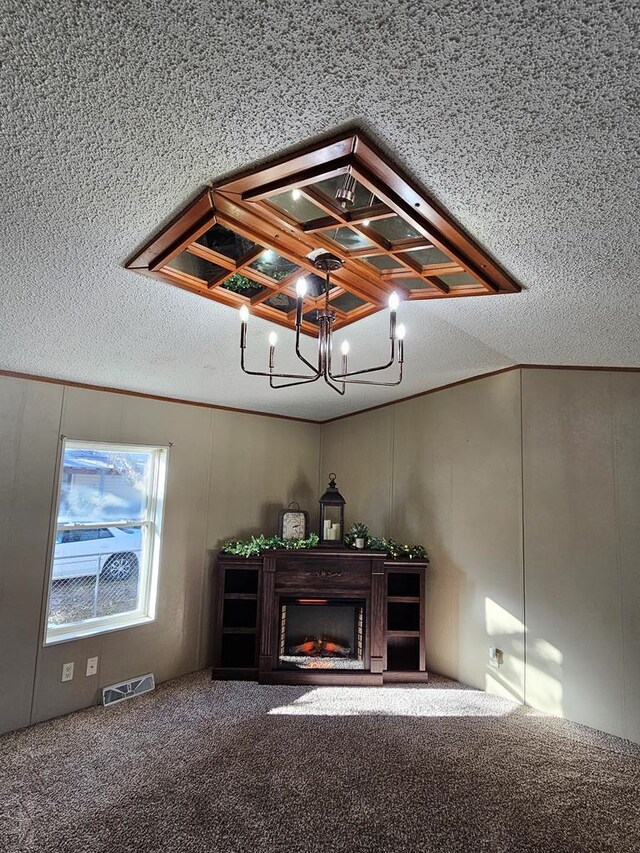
[327, 364]
[300, 356]
[277, 375]
[324, 346]
[290, 384]
[371, 382]
[335, 387]
[390, 363]
[326, 318]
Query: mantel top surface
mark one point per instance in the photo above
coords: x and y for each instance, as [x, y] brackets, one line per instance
[333, 553]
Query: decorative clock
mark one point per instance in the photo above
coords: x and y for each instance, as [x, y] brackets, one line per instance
[293, 522]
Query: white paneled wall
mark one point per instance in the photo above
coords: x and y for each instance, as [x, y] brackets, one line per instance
[229, 474]
[525, 487]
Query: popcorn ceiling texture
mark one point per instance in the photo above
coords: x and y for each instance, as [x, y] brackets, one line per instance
[520, 118]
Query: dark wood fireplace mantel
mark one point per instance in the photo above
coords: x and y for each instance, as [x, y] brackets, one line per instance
[251, 597]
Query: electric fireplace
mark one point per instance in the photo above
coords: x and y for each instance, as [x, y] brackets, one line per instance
[319, 616]
[321, 633]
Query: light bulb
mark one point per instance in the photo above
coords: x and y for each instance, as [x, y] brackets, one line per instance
[394, 301]
[301, 286]
[295, 194]
[401, 332]
[366, 223]
[268, 255]
[345, 347]
[244, 313]
[273, 339]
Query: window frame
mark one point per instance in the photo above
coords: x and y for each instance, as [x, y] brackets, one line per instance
[151, 527]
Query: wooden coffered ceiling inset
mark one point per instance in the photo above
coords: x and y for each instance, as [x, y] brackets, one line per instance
[247, 239]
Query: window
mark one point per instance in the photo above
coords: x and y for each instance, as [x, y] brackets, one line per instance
[106, 553]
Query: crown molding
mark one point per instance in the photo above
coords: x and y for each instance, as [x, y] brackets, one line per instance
[108, 390]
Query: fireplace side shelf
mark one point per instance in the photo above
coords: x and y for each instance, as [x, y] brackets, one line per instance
[405, 621]
[236, 617]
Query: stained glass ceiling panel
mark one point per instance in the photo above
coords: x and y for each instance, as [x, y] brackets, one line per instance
[199, 267]
[347, 302]
[297, 206]
[281, 302]
[226, 242]
[428, 257]
[210, 248]
[273, 266]
[461, 279]
[316, 285]
[384, 263]
[348, 238]
[394, 229]
[242, 284]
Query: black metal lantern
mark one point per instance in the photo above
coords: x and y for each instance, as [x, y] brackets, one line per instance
[331, 515]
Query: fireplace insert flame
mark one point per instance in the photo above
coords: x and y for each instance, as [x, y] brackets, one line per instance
[321, 634]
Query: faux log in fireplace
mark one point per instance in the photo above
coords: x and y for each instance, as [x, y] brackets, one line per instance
[319, 617]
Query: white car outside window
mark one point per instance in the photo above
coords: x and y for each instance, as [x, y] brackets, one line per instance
[110, 552]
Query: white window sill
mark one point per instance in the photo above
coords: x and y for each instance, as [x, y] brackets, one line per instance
[67, 633]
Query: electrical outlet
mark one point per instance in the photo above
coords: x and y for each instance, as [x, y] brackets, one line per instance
[92, 666]
[67, 671]
[496, 657]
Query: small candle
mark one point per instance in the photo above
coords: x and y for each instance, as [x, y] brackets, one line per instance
[273, 340]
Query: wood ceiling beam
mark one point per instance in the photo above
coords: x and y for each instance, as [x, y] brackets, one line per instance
[424, 272]
[323, 152]
[319, 224]
[423, 227]
[316, 197]
[210, 255]
[244, 220]
[373, 213]
[183, 229]
[374, 161]
[241, 203]
[452, 294]
[292, 182]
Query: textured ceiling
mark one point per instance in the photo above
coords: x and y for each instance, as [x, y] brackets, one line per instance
[520, 118]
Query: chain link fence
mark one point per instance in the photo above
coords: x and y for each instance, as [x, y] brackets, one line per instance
[111, 587]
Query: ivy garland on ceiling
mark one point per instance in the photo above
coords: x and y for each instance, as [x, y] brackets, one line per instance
[239, 283]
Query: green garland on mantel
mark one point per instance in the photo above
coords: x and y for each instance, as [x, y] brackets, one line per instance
[396, 550]
[257, 545]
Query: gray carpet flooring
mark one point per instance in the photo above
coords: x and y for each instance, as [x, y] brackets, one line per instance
[236, 767]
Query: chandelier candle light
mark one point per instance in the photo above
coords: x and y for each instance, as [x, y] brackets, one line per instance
[326, 263]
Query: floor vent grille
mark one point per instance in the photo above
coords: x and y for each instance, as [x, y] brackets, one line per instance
[128, 689]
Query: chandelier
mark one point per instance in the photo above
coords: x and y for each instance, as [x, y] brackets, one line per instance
[326, 263]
